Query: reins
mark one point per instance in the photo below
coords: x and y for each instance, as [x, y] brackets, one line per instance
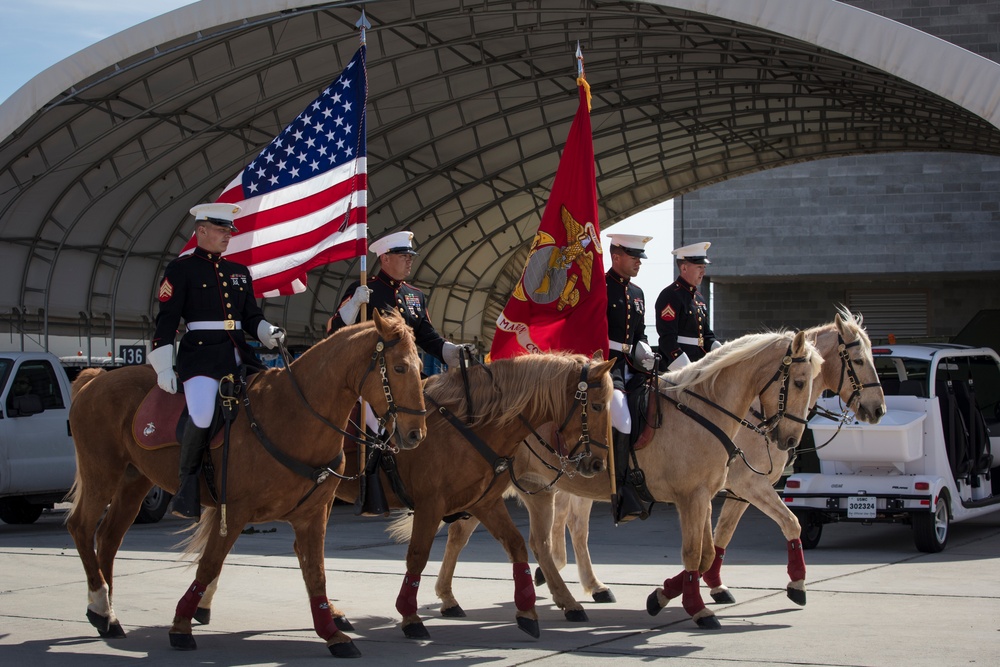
[500, 464]
[763, 429]
[320, 474]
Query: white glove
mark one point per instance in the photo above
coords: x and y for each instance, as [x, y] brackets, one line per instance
[452, 353]
[643, 354]
[680, 362]
[349, 311]
[269, 335]
[162, 361]
[715, 345]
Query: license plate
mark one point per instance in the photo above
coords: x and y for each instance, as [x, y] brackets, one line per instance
[861, 507]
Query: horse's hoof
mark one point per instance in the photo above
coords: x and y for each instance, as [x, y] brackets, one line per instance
[709, 622]
[182, 641]
[343, 625]
[725, 597]
[453, 612]
[344, 650]
[416, 631]
[653, 603]
[114, 631]
[202, 615]
[797, 596]
[102, 623]
[605, 596]
[529, 625]
[576, 616]
[539, 576]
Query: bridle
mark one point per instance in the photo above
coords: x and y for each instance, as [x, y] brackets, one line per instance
[501, 464]
[848, 371]
[782, 375]
[392, 409]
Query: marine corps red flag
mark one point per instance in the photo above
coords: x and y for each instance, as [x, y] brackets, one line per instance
[561, 301]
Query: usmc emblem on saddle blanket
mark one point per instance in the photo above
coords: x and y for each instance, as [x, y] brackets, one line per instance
[149, 430]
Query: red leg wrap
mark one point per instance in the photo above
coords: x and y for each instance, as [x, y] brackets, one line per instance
[713, 577]
[691, 600]
[406, 601]
[796, 561]
[524, 587]
[188, 604]
[322, 617]
[674, 586]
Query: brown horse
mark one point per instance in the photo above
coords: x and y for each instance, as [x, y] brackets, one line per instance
[376, 359]
[684, 463]
[468, 471]
[848, 369]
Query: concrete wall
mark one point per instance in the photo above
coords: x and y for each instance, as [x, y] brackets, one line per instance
[789, 243]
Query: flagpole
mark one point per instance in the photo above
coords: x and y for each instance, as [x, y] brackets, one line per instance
[363, 25]
[581, 80]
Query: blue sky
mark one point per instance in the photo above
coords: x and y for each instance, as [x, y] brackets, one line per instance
[37, 34]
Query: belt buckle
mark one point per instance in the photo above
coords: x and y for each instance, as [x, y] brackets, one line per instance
[626, 348]
[229, 325]
[701, 341]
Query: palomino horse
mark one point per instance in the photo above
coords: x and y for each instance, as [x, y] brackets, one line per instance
[848, 369]
[293, 410]
[685, 463]
[464, 467]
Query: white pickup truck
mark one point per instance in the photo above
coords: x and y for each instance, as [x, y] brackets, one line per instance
[37, 459]
[933, 459]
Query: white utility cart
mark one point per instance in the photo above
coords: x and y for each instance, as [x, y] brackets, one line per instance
[927, 463]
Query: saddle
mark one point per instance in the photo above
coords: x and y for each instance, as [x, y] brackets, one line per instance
[645, 412]
[160, 420]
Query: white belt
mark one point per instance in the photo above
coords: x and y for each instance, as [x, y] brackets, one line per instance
[620, 347]
[687, 340]
[221, 325]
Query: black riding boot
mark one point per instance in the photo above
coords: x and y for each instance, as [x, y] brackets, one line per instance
[627, 504]
[187, 501]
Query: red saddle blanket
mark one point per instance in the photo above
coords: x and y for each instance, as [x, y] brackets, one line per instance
[155, 423]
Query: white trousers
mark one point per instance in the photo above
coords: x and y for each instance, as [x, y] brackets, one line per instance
[621, 420]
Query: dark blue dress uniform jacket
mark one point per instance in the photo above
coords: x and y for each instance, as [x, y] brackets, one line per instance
[390, 295]
[204, 287]
[681, 311]
[626, 322]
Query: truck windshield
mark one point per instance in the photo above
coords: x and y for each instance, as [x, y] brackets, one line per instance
[900, 376]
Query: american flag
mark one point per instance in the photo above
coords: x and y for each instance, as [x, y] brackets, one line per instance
[303, 199]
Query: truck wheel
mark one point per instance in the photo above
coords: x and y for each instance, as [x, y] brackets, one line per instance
[930, 531]
[812, 528]
[17, 510]
[154, 506]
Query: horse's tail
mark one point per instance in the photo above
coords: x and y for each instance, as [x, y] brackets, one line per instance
[85, 376]
[401, 527]
[73, 496]
[195, 543]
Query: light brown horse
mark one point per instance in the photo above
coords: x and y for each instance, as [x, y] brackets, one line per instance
[684, 463]
[376, 359]
[848, 369]
[468, 471]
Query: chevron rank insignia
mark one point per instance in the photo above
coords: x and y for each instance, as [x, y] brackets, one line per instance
[166, 290]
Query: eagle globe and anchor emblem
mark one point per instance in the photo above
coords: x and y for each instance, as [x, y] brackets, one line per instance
[546, 272]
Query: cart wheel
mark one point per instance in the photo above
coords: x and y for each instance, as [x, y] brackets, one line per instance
[930, 531]
[812, 528]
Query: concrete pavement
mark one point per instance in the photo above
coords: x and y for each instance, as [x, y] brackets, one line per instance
[873, 600]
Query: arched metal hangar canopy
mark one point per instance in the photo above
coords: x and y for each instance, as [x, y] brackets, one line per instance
[469, 105]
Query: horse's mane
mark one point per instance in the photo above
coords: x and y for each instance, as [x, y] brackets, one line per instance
[854, 322]
[396, 327]
[520, 385]
[705, 371]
